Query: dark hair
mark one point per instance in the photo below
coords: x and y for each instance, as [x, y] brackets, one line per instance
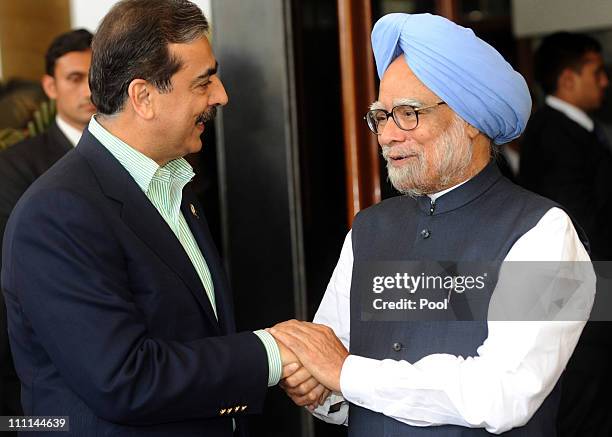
[132, 43]
[73, 41]
[559, 51]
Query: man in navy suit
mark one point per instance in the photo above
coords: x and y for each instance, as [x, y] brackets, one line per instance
[120, 315]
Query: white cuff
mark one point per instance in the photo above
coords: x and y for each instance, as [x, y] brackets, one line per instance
[356, 381]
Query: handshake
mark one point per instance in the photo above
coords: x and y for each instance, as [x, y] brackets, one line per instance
[312, 358]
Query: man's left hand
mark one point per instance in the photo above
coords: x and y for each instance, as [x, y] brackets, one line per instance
[304, 389]
[317, 347]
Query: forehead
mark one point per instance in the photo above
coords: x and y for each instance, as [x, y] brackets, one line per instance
[74, 61]
[196, 56]
[399, 82]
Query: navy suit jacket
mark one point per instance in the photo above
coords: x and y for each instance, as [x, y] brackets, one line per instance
[108, 320]
[20, 165]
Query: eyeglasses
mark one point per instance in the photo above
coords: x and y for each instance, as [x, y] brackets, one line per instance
[406, 117]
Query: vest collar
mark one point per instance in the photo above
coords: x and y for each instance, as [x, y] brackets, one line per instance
[463, 194]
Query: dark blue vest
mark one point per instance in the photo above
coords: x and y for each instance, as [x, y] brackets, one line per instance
[479, 221]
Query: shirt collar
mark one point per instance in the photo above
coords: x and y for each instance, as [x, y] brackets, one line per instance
[142, 168]
[572, 112]
[72, 133]
[434, 196]
[461, 194]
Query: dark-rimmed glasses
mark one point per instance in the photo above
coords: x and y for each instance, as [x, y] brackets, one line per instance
[406, 117]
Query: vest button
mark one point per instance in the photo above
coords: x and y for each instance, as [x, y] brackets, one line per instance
[397, 347]
[425, 233]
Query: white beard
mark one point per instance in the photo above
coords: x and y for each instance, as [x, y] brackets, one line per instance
[451, 156]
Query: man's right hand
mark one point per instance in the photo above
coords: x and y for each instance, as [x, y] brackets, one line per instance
[317, 347]
[298, 383]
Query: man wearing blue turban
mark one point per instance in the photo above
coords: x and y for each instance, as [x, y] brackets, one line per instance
[446, 99]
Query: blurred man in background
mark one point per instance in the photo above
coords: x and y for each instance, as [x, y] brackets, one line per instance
[566, 157]
[66, 70]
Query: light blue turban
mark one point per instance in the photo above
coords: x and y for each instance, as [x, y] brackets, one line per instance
[463, 70]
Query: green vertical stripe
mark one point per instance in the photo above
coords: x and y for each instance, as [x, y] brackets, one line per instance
[163, 186]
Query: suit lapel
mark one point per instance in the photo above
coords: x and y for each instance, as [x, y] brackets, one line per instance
[199, 228]
[142, 217]
[59, 141]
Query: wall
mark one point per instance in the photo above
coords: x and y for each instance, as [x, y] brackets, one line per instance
[535, 17]
[27, 27]
[87, 13]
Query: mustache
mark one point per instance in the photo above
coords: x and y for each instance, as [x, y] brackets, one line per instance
[206, 116]
[388, 151]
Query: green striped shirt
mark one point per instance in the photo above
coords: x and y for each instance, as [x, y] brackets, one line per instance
[163, 186]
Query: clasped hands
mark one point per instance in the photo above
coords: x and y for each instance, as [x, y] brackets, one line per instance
[312, 358]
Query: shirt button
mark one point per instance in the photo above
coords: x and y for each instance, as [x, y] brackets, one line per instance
[425, 233]
[397, 347]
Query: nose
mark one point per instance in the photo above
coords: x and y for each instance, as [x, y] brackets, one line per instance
[218, 96]
[391, 133]
[85, 88]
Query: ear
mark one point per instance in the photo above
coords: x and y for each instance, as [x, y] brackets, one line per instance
[471, 131]
[140, 97]
[48, 84]
[566, 80]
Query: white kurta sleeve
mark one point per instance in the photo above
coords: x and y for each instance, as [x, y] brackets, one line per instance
[335, 312]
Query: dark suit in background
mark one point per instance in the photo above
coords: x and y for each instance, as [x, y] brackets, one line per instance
[565, 162]
[146, 355]
[20, 165]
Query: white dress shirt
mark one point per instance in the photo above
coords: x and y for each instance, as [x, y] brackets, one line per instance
[501, 387]
[72, 133]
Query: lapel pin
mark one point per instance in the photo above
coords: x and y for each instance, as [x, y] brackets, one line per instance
[193, 211]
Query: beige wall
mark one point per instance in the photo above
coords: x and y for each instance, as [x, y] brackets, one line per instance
[27, 27]
[539, 17]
